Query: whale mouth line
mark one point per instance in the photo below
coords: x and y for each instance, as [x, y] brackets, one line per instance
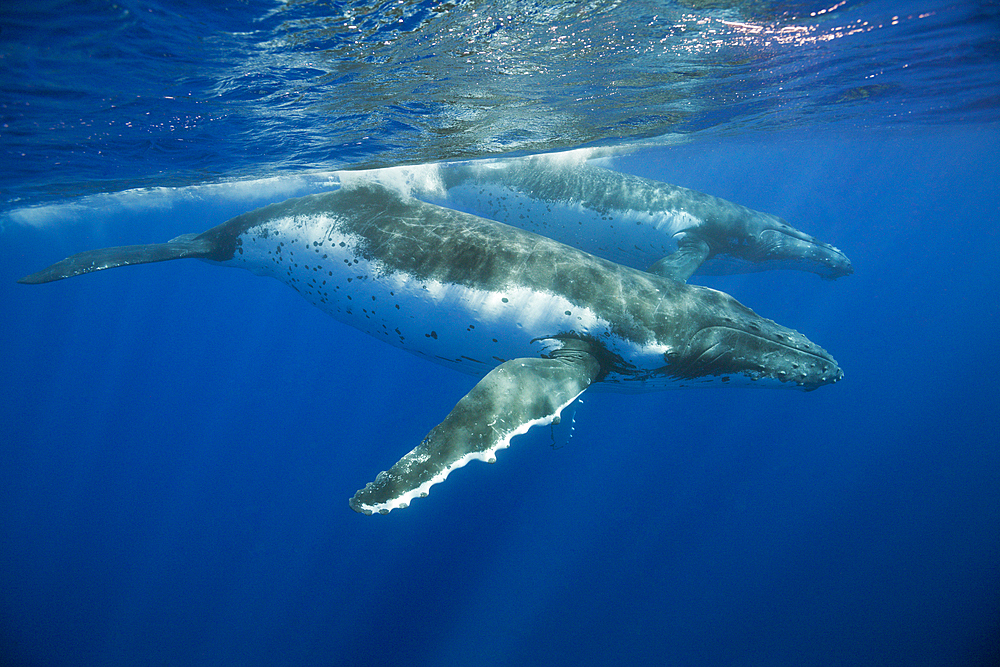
[788, 346]
[825, 258]
[744, 332]
[757, 355]
[818, 356]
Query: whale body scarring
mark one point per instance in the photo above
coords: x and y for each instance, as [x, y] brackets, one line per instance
[541, 321]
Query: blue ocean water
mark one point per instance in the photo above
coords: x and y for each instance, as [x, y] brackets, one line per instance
[180, 441]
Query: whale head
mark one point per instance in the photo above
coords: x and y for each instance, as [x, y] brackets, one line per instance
[727, 341]
[764, 242]
[781, 244]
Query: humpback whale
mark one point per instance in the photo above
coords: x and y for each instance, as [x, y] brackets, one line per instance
[539, 321]
[652, 226]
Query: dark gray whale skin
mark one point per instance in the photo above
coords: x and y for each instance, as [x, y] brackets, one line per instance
[665, 229]
[541, 321]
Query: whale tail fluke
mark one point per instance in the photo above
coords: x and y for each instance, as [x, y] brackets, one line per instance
[188, 245]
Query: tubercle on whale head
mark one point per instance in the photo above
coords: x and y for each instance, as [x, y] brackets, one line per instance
[732, 340]
[784, 243]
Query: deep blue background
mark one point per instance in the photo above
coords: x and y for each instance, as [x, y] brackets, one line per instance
[180, 441]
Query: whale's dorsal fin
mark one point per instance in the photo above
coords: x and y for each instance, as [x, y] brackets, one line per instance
[680, 265]
[513, 397]
[186, 245]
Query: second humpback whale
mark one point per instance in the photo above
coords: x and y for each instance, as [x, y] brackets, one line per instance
[541, 321]
[652, 226]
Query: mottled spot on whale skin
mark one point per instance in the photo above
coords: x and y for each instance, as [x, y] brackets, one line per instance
[505, 300]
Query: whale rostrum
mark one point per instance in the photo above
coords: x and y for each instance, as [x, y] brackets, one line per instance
[538, 320]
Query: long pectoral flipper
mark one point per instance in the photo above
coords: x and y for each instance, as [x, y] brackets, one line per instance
[682, 264]
[512, 398]
[108, 258]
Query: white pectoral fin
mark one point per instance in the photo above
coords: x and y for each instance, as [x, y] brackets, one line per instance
[512, 398]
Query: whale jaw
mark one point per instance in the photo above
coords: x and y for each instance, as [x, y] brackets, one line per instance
[782, 355]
